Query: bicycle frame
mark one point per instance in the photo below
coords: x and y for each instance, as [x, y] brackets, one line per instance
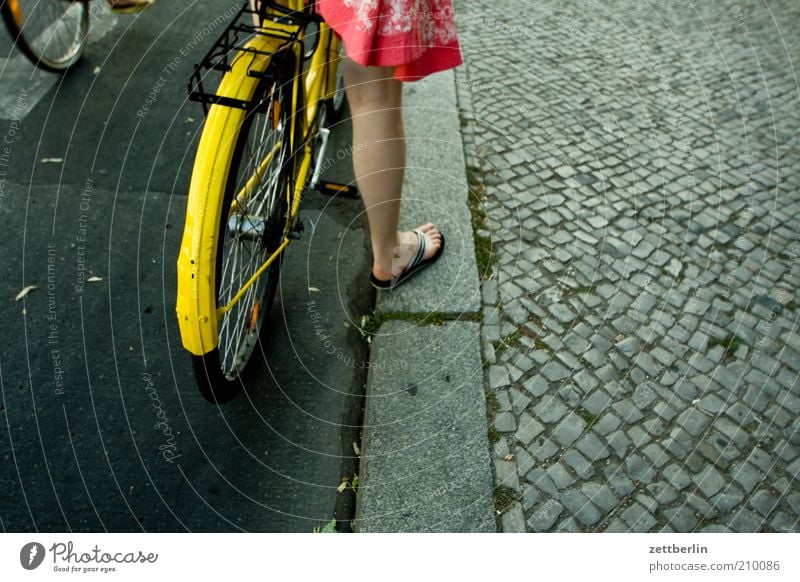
[196, 307]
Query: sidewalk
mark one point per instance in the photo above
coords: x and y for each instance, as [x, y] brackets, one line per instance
[425, 454]
[642, 184]
[639, 330]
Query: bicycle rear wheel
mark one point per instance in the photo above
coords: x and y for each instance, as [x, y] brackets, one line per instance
[51, 33]
[253, 226]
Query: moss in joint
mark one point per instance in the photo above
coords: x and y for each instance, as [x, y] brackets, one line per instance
[504, 498]
[510, 341]
[492, 403]
[371, 323]
[730, 343]
[483, 244]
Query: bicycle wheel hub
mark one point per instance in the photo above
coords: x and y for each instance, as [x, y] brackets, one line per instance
[246, 226]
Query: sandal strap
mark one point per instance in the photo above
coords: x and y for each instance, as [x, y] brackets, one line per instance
[421, 238]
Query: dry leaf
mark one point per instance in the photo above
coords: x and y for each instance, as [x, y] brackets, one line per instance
[313, 290]
[509, 457]
[94, 279]
[356, 449]
[25, 291]
[342, 486]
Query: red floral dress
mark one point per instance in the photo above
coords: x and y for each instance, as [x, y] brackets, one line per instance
[417, 37]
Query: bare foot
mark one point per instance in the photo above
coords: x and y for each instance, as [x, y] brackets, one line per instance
[408, 249]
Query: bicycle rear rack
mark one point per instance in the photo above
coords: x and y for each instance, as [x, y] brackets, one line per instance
[236, 40]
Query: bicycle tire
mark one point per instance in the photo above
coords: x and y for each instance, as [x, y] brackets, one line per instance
[51, 33]
[218, 373]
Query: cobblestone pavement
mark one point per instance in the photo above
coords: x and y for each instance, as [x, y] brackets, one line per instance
[640, 168]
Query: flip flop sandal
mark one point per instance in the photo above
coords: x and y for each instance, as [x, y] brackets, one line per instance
[129, 6]
[416, 265]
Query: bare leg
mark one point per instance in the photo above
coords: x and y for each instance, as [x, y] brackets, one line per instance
[379, 158]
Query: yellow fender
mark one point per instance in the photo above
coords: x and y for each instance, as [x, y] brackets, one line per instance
[196, 302]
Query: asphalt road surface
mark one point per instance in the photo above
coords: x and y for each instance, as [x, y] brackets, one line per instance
[101, 425]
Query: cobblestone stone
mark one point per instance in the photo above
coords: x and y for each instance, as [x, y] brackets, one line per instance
[506, 474]
[543, 448]
[747, 476]
[505, 422]
[638, 519]
[569, 429]
[543, 518]
[682, 519]
[583, 510]
[561, 478]
[709, 481]
[529, 428]
[746, 521]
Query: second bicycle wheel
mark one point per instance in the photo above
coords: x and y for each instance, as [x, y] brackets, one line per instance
[51, 33]
[252, 228]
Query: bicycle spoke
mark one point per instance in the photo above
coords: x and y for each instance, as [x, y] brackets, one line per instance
[249, 225]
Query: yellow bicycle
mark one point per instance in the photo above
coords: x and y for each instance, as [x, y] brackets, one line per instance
[279, 89]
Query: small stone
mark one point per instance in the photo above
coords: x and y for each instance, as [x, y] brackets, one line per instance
[674, 268]
[582, 467]
[565, 171]
[550, 410]
[709, 481]
[638, 519]
[728, 500]
[630, 346]
[579, 505]
[529, 428]
[682, 519]
[506, 472]
[693, 421]
[505, 422]
[597, 222]
[554, 371]
[513, 520]
[600, 495]
[530, 497]
[562, 313]
[764, 503]
[498, 377]
[569, 429]
[543, 449]
[536, 386]
[639, 470]
[677, 477]
[560, 476]
[745, 521]
[619, 443]
[747, 476]
[519, 401]
[545, 516]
